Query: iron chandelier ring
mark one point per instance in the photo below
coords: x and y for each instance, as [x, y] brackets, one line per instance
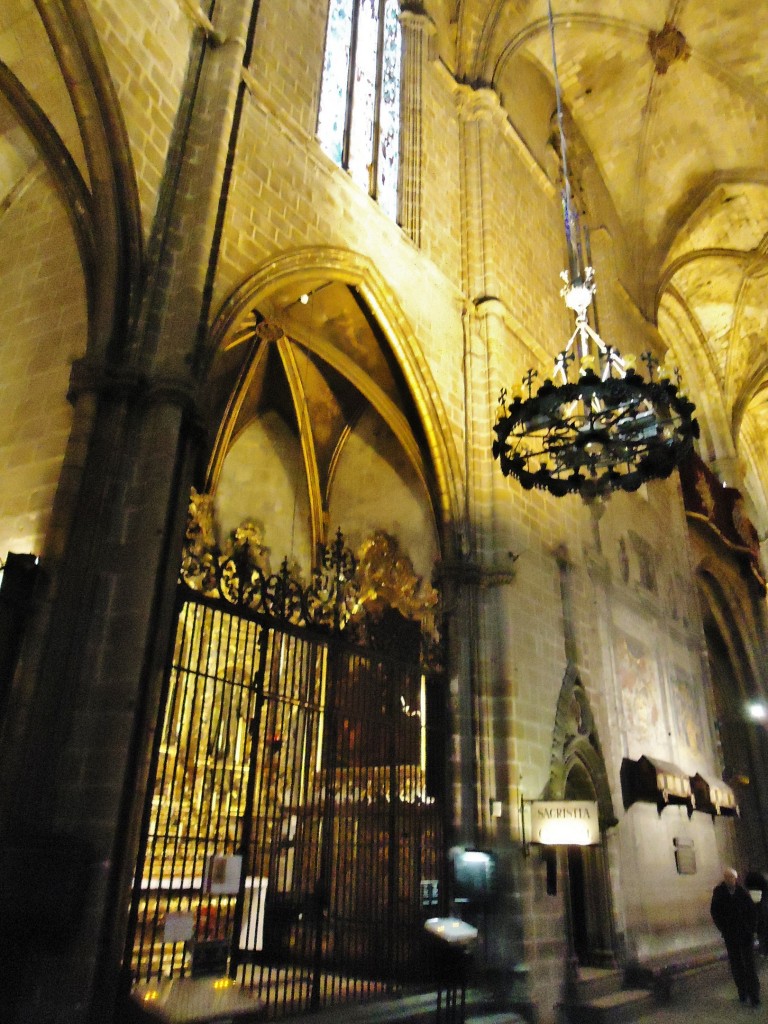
[591, 437]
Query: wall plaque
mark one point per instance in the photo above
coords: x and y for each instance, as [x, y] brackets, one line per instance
[685, 856]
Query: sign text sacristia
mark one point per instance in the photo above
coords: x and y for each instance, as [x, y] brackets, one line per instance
[565, 822]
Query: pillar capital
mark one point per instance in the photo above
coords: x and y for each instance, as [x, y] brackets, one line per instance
[470, 573]
[413, 16]
[488, 306]
[479, 103]
[133, 386]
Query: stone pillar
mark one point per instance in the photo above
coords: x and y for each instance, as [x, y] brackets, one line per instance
[565, 569]
[481, 122]
[482, 588]
[417, 29]
[81, 748]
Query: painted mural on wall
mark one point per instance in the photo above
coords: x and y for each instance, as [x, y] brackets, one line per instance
[638, 684]
[687, 713]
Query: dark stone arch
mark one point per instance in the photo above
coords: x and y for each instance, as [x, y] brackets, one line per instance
[734, 653]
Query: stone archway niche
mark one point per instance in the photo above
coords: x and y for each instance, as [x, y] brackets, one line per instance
[577, 772]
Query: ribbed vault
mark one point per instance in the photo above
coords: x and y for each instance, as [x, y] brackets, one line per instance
[668, 110]
[308, 356]
[668, 103]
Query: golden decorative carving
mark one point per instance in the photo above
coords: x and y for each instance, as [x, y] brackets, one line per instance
[248, 540]
[386, 579]
[705, 494]
[743, 524]
[667, 46]
[201, 523]
[199, 561]
[343, 589]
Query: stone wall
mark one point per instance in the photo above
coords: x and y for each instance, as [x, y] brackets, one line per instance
[472, 305]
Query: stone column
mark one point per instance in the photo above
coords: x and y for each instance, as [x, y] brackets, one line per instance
[417, 29]
[481, 123]
[82, 750]
[483, 588]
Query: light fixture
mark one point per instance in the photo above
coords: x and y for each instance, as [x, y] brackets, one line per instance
[596, 424]
[757, 710]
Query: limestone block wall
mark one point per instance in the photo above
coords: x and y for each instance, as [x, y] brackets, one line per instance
[287, 196]
[638, 645]
[42, 329]
[664, 912]
[631, 602]
[287, 59]
[25, 47]
[147, 47]
[43, 306]
[529, 245]
[374, 488]
[441, 236]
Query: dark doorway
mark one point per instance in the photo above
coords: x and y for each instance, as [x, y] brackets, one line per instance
[579, 929]
[588, 901]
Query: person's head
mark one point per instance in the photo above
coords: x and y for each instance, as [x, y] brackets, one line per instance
[730, 877]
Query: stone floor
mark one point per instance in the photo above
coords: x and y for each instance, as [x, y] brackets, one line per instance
[714, 1002]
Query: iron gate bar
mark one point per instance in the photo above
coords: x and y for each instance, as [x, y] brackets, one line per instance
[300, 664]
[187, 847]
[300, 752]
[253, 728]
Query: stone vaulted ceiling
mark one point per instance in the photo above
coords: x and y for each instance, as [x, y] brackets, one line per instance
[668, 103]
[663, 133]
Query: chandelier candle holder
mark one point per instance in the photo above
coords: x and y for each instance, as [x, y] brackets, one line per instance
[596, 424]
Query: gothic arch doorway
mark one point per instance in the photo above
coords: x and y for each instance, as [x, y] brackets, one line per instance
[587, 891]
[578, 773]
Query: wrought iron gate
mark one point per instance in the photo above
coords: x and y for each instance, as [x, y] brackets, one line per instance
[289, 829]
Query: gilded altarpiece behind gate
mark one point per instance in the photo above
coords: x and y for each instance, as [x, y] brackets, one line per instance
[294, 824]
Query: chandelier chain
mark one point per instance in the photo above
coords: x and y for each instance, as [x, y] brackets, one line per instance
[608, 429]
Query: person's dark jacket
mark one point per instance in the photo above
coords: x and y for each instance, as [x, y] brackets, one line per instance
[735, 915]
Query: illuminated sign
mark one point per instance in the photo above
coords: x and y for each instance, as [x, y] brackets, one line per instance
[565, 822]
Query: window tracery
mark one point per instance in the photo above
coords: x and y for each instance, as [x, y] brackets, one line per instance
[359, 118]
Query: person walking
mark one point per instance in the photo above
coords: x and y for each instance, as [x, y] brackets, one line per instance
[735, 917]
[757, 881]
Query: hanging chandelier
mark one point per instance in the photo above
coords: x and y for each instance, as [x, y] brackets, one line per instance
[598, 423]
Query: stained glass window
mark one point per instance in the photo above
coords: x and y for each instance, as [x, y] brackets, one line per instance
[359, 121]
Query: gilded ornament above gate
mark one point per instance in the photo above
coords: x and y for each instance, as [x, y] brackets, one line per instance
[344, 591]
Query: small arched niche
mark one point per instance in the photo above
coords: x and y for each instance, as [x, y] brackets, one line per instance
[578, 772]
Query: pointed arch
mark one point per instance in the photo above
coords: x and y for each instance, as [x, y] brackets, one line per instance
[61, 166]
[722, 607]
[301, 269]
[576, 747]
[114, 211]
